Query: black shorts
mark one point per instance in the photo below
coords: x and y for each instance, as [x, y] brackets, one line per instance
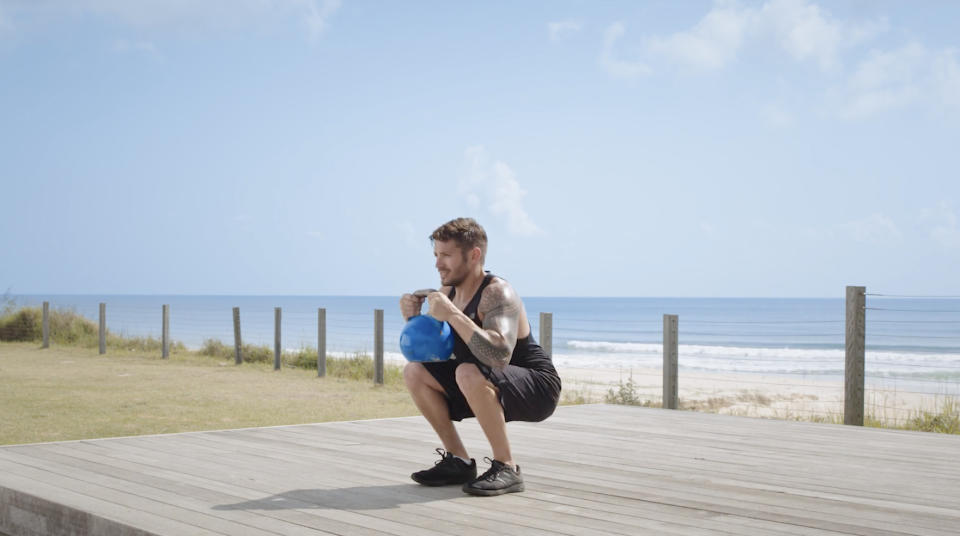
[526, 394]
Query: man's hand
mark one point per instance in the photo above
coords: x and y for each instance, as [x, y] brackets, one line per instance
[410, 306]
[441, 307]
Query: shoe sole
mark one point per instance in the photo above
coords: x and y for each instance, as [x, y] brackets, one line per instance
[491, 492]
[436, 483]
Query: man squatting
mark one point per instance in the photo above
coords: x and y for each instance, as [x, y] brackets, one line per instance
[498, 372]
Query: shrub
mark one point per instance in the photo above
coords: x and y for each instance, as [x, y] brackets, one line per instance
[142, 344]
[215, 348]
[22, 325]
[251, 353]
[255, 354]
[360, 367]
[945, 422]
[627, 394]
[68, 327]
[356, 367]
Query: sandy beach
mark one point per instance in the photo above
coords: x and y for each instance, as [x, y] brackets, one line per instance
[753, 395]
[812, 398]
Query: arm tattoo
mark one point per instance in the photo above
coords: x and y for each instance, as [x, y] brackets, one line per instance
[487, 352]
[501, 310]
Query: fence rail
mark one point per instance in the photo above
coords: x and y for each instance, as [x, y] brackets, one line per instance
[854, 365]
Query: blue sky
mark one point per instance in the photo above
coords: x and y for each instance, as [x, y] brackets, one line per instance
[777, 148]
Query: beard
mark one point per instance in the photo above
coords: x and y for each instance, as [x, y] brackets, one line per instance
[457, 276]
[452, 279]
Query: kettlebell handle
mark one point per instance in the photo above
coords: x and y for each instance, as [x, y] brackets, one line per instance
[422, 293]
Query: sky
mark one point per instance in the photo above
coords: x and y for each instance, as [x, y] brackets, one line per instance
[779, 148]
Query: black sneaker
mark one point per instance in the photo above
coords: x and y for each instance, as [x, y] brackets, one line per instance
[499, 479]
[449, 470]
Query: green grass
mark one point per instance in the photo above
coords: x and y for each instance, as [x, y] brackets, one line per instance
[65, 393]
[946, 420]
[626, 393]
[357, 367]
[67, 327]
[80, 336]
[71, 329]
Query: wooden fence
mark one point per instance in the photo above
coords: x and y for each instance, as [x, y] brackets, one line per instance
[853, 413]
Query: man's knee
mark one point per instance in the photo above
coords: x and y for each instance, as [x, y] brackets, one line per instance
[413, 375]
[469, 378]
[418, 379]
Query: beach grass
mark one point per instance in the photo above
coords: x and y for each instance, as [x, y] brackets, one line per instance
[67, 327]
[73, 392]
[72, 329]
[358, 366]
[945, 419]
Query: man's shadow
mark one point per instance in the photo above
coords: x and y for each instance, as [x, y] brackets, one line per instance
[354, 498]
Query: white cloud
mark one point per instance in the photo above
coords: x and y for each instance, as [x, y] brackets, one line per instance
[711, 43]
[886, 80]
[494, 187]
[799, 28]
[805, 31]
[882, 81]
[889, 80]
[874, 229]
[563, 29]
[616, 67]
[318, 15]
[943, 222]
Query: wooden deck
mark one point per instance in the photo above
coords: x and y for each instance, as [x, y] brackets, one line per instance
[589, 470]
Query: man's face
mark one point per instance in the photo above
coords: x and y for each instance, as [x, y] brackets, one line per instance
[451, 263]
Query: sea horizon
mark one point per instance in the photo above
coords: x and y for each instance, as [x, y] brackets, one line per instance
[605, 297]
[916, 341]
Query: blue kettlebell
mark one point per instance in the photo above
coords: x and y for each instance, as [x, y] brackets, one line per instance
[426, 339]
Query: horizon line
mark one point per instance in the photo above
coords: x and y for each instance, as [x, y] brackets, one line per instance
[287, 295]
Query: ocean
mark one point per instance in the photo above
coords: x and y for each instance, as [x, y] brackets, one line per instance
[913, 342]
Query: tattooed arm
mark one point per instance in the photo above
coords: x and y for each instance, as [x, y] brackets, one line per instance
[500, 308]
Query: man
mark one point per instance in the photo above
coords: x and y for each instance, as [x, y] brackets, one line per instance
[497, 374]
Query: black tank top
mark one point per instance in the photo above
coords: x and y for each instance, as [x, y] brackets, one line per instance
[527, 353]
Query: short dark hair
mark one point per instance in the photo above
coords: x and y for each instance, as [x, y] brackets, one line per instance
[466, 232]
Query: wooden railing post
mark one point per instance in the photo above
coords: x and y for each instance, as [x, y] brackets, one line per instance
[46, 325]
[321, 342]
[546, 332]
[378, 346]
[166, 332]
[276, 338]
[853, 384]
[670, 359]
[103, 328]
[237, 342]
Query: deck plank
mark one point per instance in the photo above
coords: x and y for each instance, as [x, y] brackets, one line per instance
[594, 470]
